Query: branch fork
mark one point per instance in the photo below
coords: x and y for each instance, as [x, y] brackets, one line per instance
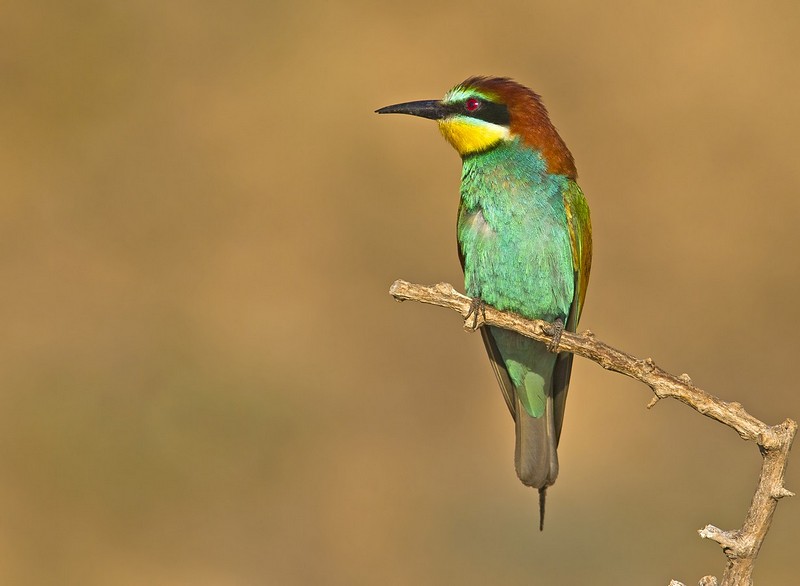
[741, 546]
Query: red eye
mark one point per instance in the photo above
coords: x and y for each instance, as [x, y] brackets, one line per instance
[472, 104]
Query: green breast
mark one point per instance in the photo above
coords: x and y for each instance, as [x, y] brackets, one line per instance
[513, 234]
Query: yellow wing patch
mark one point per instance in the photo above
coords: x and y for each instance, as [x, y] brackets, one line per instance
[580, 235]
[470, 135]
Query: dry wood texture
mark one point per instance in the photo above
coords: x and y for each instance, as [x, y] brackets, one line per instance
[741, 546]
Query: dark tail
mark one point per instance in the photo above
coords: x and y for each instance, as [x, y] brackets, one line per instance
[535, 456]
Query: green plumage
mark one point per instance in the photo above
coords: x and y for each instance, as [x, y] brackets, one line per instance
[515, 248]
[524, 239]
[513, 233]
[515, 228]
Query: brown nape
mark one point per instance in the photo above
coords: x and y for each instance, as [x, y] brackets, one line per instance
[529, 120]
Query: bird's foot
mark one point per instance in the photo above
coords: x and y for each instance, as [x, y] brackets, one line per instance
[477, 310]
[558, 329]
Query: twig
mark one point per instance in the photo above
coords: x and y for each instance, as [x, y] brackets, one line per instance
[741, 546]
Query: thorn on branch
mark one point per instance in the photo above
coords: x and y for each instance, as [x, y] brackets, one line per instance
[685, 378]
[781, 493]
[653, 402]
[736, 407]
[709, 581]
[648, 364]
[727, 539]
[444, 289]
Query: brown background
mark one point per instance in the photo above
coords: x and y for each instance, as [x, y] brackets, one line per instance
[203, 379]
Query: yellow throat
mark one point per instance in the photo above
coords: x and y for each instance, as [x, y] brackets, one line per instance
[469, 135]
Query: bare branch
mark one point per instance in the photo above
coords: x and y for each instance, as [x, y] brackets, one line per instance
[741, 546]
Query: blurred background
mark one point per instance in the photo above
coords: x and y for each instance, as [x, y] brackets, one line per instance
[203, 378]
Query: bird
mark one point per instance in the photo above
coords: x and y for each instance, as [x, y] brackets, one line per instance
[525, 246]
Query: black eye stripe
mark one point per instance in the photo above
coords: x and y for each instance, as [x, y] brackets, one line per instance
[488, 111]
[493, 112]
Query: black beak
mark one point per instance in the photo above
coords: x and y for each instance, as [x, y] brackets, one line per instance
[432, 109]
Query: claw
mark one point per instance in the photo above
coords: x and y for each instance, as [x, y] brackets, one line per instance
[477, 309]
[558, 329]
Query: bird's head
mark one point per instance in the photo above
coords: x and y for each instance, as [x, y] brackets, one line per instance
[481, 113]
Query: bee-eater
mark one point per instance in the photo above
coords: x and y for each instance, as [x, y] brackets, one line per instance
[525, 245]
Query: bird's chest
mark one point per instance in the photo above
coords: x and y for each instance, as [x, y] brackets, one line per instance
[515, 248]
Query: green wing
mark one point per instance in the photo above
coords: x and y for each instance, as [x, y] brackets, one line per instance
[580, 236]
